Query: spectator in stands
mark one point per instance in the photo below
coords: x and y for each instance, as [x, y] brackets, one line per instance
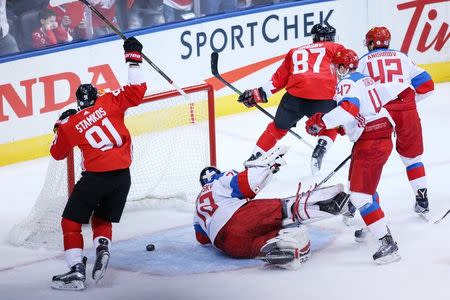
[144, 13]
[50, 33]
[108, 9]
[176, 10]
[209, 7]
[8, 43]
[72, 18]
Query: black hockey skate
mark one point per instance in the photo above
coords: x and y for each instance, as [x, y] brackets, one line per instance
[101, 262]
[253, 157]
[72, 280]
[317, 156]
[421, 206]
[335, 205]
[388, 251]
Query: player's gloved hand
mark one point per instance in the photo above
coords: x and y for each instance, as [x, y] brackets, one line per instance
[250, 97]
[341, 130]
[315, 124]
[62, 117]
[133, 50]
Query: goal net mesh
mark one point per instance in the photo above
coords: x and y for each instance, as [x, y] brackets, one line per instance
[173, 139]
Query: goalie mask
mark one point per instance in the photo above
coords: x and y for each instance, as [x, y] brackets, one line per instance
[208, 174]
[86, 95]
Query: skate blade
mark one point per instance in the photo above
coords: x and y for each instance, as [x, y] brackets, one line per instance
[98, 274]
[393, 257]
[424, 216]
[76, 285]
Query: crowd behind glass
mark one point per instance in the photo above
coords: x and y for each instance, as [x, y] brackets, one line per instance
[27, 25]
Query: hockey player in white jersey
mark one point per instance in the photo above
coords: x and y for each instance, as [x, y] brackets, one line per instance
[385, 65]
[361, 115]
[229, 218]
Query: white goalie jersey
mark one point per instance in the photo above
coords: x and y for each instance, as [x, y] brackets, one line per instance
[223, 196]
[360, 101]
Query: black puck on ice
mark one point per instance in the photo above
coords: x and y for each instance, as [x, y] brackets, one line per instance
[150, 247]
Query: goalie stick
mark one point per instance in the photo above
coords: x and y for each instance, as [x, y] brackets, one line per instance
[215, 72]
[123, 37]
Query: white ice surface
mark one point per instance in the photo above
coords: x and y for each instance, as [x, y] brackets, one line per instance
[343, 270]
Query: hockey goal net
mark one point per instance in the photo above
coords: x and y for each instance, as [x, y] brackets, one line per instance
[173, 139]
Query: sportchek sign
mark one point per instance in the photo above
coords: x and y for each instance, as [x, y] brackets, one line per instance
[34, 90]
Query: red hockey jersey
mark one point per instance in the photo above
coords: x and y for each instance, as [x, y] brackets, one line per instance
[100, 132]
[306, 72]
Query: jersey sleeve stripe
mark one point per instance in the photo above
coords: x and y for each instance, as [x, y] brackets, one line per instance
[351, 105]
[420, 79]
[235, 191]
[244, 185]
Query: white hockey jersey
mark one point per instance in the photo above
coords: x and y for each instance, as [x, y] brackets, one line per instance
[220, 199]
[387, 65]
[360, 101]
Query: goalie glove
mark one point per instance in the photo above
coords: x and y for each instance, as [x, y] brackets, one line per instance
[315, 125]
[251, 97]
[62, 118]
[133, 50]
[273, 159]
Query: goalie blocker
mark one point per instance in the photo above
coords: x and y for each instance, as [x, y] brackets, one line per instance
[228, 217]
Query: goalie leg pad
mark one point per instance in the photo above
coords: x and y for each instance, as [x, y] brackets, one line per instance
[318, 204]
[288, 250]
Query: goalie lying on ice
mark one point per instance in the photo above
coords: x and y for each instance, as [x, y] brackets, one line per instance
[228, 217]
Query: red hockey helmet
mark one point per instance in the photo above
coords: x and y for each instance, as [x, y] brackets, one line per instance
[378, 37]
[346, 57]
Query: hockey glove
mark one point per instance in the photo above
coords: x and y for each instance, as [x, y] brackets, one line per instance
[133, 50]
[315, 125]
[341, 130]
[251, 97]
[63, 116]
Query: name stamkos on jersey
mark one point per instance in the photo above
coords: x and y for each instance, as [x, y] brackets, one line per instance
[310, 46]
[88, 121]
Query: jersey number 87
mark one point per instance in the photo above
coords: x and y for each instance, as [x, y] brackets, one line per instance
[301, 59]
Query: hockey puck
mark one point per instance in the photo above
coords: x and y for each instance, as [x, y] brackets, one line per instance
[150, 247]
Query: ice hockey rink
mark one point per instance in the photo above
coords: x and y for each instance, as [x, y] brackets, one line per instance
[339, 267]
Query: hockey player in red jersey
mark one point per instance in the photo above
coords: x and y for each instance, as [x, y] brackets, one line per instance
[99, 196]
[309, 80]
[386, 65]
[228, 217]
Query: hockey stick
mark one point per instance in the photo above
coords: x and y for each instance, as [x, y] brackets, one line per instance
[215, 72]
[333, 172]
[119, 33]
[438, 221]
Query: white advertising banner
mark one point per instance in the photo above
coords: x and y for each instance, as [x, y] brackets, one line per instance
[33, 90]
